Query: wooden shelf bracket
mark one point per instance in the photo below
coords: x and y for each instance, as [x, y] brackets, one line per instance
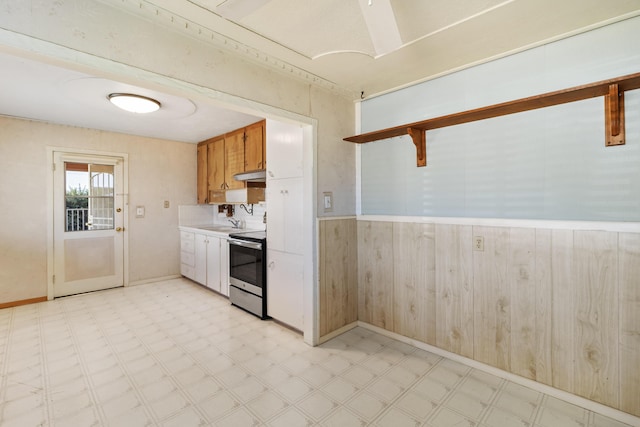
[419, 137]
[614, 116]
[612, 90]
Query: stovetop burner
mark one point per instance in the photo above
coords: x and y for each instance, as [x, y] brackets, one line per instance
[252, 236]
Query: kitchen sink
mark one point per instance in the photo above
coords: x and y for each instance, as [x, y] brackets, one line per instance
[219, 228]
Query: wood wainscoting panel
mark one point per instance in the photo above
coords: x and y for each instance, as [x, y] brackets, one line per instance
[595, 291]
[629, 276]
[414, 284]
[521, 277]
[454, 288]
[556, 305]
[544, 307]
[492, 299]
[562, 312]
[375, 273]
[338, 274]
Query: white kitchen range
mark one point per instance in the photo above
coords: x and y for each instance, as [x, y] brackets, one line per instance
[243, 238]
[247, 272]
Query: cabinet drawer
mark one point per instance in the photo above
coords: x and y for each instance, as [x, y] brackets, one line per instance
[247, 301]
[187, 245]
[187, 235]
[188, 258]
[188, 271]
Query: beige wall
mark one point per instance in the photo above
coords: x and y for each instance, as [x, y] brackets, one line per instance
[158, 170]
[105, 32]
[103, 40]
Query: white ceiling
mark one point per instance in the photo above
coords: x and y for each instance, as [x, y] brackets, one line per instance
[374, 46]
[350, 46]
[39, 91]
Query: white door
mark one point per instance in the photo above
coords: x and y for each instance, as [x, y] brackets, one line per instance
[213, 263]
[88, 217]
[284, 219]
[201, 259]
[285, 278]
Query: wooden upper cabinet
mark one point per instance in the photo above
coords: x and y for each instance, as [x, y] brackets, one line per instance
[221, 157]
[215, 164]
[254, 147]
[202, 185]
[234, 158]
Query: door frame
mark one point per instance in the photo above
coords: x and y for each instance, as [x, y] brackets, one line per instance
[50, 210]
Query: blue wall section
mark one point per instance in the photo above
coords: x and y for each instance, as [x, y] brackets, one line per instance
[543, 164]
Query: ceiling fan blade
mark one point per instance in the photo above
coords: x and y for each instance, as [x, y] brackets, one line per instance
[235, 10]
[382, 26]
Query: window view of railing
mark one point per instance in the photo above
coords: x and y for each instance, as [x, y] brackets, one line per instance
[77, 219]
[89, 207]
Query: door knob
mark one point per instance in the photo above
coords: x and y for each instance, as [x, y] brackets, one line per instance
[119, 229]
[119, 210]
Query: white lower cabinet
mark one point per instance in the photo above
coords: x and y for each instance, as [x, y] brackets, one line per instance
[285, 273]
[187, 255]
[210, 262]
[201, 259]
[224, 267]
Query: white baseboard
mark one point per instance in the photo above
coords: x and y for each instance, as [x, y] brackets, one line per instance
[154, 279]
[337, 332]
[590, 405]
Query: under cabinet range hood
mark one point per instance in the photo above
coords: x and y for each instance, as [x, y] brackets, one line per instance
[259, 175]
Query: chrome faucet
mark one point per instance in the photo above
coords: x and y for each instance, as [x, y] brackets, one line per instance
[235, 222]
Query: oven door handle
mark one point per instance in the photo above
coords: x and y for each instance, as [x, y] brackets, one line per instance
[245, 244]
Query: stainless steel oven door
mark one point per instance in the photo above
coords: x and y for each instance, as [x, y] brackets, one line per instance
[245, 266]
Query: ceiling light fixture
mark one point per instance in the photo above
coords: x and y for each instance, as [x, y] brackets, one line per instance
[134, 103]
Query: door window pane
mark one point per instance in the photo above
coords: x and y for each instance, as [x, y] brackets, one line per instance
[89, 197]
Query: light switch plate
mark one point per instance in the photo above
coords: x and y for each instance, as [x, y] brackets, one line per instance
[139, 211]
[327, 198]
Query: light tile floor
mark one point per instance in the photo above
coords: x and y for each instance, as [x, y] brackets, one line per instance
[174, 354]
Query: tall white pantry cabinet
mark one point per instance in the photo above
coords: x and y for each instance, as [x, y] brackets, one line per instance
[285, 266]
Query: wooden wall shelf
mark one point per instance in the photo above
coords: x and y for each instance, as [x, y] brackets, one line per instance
[612, 90]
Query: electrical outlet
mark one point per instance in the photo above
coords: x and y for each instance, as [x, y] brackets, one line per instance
[166, 203]
[478, 243]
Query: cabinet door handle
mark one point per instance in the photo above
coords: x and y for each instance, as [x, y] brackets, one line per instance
[271, 264]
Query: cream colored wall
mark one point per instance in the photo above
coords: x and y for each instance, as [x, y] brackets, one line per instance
[158, 170]
[97, 29]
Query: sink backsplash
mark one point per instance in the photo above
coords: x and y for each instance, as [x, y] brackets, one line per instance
[208, 215]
